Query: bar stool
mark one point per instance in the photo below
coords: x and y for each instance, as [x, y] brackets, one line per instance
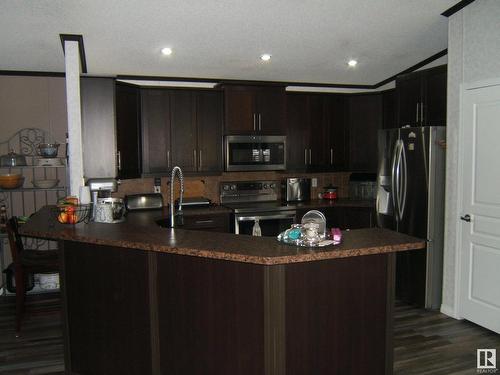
[27, 261]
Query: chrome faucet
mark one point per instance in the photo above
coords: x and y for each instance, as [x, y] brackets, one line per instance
[173, 214]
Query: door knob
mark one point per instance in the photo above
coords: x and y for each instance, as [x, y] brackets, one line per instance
[465, 218]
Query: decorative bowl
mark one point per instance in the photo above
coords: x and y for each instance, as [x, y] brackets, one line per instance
[45, 184]
[11, 181]
[48, 150]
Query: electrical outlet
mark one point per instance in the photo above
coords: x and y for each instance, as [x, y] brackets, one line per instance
[157, 189]
[314, 182]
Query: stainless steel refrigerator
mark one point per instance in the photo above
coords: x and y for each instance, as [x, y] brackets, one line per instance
[410, 199]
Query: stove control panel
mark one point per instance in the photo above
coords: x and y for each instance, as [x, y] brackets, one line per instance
[248, 191]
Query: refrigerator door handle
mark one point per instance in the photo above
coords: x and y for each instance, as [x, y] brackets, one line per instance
[404, 180]
[394, 184]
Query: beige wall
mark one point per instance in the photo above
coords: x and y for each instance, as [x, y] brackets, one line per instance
[33, 102]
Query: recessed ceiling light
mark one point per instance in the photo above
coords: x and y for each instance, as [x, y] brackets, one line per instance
[265, 57]
[352, 63]
[167, 51]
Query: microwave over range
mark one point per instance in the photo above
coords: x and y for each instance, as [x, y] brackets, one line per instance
[255, 153]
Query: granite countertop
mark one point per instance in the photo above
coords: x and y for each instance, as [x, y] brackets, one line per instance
[139, 231]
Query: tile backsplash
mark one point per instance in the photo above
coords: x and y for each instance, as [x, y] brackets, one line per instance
[208, 186]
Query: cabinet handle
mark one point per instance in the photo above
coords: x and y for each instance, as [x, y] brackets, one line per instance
[204, 221]
[260, 122]
[305, 156]
[422, 113]
[418, 105]
[201, 163]
[168, 158]
[254, 122]
[310, 158]
[195, 158]
[331, 156]
[119, 160]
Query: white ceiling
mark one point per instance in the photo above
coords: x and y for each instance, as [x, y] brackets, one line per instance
[310, 40]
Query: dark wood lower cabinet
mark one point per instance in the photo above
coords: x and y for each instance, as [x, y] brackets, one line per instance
[107, 309]
[345, 217]
[131, 311]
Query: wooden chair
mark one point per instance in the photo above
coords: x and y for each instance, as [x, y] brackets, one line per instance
[27, 261]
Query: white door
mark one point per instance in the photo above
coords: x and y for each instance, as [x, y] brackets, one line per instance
[480, 181]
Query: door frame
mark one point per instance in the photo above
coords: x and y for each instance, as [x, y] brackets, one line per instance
[457, 313]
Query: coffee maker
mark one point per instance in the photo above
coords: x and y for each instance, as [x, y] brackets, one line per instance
[101, 188]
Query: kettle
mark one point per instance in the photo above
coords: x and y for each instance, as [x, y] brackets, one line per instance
[330, 192]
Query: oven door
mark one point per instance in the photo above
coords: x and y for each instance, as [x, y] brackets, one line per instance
[254, 153]
[271, 223]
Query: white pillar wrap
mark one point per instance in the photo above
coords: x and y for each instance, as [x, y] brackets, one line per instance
[72, 62]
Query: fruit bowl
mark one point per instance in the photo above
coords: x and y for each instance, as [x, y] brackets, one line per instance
[72, 214]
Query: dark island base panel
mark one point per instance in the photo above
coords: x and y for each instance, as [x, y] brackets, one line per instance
[135, 312]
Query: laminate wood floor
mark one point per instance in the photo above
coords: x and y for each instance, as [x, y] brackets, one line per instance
[426, 342]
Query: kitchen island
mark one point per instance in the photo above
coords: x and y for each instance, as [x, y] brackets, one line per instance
[141, 299]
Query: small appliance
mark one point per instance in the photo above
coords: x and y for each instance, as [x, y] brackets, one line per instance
[330, 192]
[101, 188]
[296, 189]
[255, 153]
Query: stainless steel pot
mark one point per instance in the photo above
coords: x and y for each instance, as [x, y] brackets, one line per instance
[13, 160]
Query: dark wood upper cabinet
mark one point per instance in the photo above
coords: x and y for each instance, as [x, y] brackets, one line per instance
[365, 119]
[336, 136]
[128, 131]
[155, 111]
[183, 129]
[209, 119]
[435, 96]
[297, 131]
[421, 97]
[254, 109]
[316, 132]
[98, 127]
[389, 109]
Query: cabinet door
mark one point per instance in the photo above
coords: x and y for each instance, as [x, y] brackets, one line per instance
[98, 127]
[335, 109]
[209, 222]
[358, 217]
[318, 159]
[271, 110]
[435, 85]
[239, 110]
[365, 119]
[389, 109]
[209, 126]
[409, 96]
[155, 114]
[297, 135]
[128, 137]
[183, 130]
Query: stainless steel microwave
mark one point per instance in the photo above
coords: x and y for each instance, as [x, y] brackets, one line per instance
[255, 152]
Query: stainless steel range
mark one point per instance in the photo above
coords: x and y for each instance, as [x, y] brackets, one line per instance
[257, 202]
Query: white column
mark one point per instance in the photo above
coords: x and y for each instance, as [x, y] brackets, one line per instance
[72, 61]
